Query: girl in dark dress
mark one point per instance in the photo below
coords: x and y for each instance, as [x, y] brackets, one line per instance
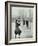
[17, 30]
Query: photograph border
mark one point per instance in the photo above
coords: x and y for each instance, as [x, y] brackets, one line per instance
[6, 22]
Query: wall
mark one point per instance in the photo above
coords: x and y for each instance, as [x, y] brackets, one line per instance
[2, 24]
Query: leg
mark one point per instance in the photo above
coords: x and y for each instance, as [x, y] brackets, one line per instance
[19, 35]
[15, 35]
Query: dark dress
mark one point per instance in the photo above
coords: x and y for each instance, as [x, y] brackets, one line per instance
[27, 23]
[17, 31]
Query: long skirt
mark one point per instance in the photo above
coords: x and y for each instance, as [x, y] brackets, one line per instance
[17, 31]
